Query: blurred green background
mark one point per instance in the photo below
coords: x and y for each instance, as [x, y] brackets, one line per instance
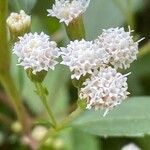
[101, 14]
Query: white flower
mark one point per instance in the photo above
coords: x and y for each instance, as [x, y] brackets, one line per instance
[105, 89]
[36, 52]
[83, 57]
[131, 146]
[19, 22]
[66, 10]
[120, 46]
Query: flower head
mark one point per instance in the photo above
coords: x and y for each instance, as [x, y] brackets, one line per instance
[105, 89]
[83, 57]
[36, 52]
[120, 46]
[66, 11]
[19, 22]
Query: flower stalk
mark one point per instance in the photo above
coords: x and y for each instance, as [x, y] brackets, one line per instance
[62, 125]
[42, 93]
[4, 51]
[13, 94]
[5, 77]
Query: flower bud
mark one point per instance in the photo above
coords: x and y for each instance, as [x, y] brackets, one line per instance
[19, 23]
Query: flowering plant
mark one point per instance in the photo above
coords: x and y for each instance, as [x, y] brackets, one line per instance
[81, 83]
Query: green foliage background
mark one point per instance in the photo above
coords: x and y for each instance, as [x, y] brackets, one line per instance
[130, 122]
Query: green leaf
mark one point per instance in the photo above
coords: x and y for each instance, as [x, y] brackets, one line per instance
[132, 118]
[139, 72]
[105, 14]
[90, 141]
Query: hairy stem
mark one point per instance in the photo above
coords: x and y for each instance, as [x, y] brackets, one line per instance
[42, 92]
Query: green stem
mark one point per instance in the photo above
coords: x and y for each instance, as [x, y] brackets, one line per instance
[13, 94]
[41, 91]
[68, 119]
[62, 125]
[5, 77]
[75, 29]
[4, 51]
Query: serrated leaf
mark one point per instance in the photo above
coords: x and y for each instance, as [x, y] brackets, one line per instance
[132, 118]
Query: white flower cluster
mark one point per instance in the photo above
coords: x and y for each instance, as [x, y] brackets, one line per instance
[66, 10]
[101, 58]
[18, 22]
[36, 52]
[98, 59]
[120, 46]
[105, 89]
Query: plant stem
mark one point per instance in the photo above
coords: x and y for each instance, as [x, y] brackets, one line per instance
[75, 29]
[5, 77]
[68, 119]
[62, 125]
[4, 51]
[41, 91]
[13, 94]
